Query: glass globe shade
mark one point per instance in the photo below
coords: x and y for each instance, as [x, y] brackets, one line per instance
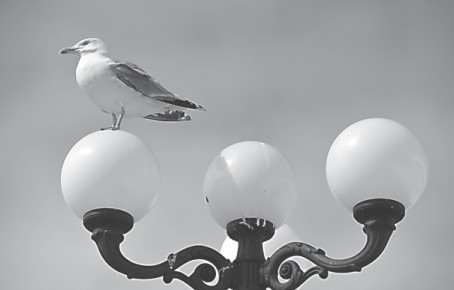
[376, 158]
[250, 180]
[110, 169]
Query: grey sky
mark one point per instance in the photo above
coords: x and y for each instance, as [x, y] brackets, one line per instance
[293, 74]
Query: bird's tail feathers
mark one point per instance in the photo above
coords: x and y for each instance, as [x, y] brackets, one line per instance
[169, 116]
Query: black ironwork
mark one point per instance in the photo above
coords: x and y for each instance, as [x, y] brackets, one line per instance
[250, 270]
[378, 216]
[250, 233]
[108, 227]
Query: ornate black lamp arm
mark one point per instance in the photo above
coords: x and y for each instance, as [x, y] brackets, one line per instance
[108, 227]
[378, 216]
[250, 270]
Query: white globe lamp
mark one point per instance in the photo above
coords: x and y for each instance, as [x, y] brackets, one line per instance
[250, 180]
[110, 169]
[376, 158]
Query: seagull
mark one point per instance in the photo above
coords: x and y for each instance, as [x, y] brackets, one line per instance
[122, 89]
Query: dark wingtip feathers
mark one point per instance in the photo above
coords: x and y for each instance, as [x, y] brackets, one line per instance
[173, 100]
[169, 116]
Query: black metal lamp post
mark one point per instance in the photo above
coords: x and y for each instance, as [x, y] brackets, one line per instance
[241, 188]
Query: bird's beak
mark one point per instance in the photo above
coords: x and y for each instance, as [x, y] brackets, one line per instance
[72, 50]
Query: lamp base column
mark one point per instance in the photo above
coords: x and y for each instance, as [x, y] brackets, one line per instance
[250, 234]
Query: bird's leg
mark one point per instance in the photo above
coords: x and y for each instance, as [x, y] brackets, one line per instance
[114, 123]
[118, 121]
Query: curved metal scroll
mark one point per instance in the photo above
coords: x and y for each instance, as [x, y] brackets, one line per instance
[248, 271]
[108, 227]
[378, 226]
[108, 243]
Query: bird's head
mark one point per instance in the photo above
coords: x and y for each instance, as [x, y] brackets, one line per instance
[85, 46]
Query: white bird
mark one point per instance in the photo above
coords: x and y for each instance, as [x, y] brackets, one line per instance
[122, 89]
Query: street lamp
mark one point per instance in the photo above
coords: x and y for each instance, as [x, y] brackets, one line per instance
[376, 168]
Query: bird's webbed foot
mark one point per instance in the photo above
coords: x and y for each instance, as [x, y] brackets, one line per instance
[116, 121]
[113, 128]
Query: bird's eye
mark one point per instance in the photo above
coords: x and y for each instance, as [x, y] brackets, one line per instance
[86, 42]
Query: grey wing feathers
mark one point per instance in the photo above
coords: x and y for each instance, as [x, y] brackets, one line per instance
[136, 78]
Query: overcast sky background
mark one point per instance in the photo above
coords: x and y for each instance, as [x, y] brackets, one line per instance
[292, 74]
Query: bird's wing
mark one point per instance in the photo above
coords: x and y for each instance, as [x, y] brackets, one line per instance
[137, 79]
[169, 115]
